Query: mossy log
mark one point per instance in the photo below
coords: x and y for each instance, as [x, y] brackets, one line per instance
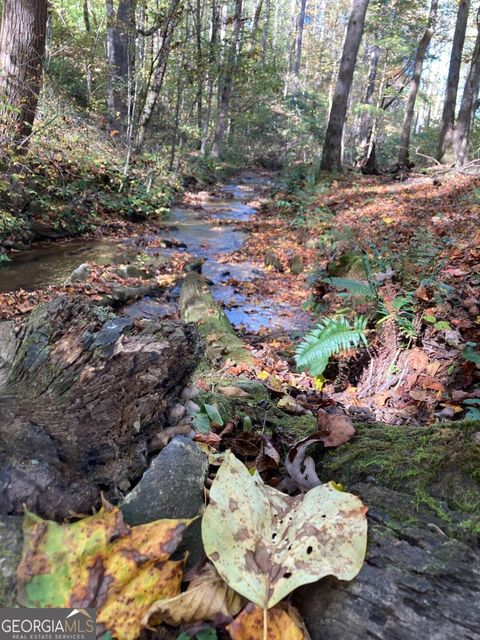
[83, 394]
[421, 578]
[198, 306]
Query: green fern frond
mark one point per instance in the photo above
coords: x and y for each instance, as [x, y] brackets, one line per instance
[330, 336]
[355, 287]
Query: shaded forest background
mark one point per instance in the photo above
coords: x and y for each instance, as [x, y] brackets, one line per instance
[140, 98]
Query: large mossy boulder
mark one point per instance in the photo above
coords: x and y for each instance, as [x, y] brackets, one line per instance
[422, 572]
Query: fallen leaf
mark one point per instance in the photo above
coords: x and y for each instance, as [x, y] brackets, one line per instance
[209, 438]
[265, 544]
[418, 359]
[100, 562]
[283, 623]
[233, 392]
[339, 428]
[290, 405]
[206, 597]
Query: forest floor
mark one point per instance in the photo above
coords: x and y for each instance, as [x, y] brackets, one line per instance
[416, 243]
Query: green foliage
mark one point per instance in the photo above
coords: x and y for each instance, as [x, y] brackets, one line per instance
[329, 337]
[402, 310]
[353, 287]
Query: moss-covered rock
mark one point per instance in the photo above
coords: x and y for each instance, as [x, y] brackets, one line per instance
[260, 407]
[437, 466]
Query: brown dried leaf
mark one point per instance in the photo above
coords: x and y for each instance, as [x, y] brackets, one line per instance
[206, 597]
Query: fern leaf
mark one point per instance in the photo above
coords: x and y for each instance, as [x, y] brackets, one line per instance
[331, 336]
[355, 287]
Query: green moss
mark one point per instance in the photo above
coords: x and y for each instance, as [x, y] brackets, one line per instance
[439, 466]
[260, 407]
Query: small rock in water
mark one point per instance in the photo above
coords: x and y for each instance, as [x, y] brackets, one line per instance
[80, 274]
[10, 553]
[132, 271]
[172, 487]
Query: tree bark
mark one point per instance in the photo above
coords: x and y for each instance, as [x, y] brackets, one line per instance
[212, 59]
[158, 73]
[468, 105]
[404, 150]
[299, 43]
[83, 396]
[121, 59]
[367, 150]
[22, 51]
[447, 130]
[226, 83]
[332, 146]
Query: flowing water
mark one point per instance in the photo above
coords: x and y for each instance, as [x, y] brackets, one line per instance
[203, 232]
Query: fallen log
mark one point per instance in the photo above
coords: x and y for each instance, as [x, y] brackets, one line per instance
[82, 395]
[198, 306]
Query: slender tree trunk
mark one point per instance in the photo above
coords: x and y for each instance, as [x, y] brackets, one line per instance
[200, 72]
[120, 59]
[89, 56]
[404, 151]
[366, 124]
[446, 140]
[158, 73]
[256, 23]
[212, 58]
[469, 104]
[22, 51]
[266, 30]
[332, 147]
[226, 91]
[299, 44]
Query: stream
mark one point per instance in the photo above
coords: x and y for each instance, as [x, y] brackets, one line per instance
[207, 232]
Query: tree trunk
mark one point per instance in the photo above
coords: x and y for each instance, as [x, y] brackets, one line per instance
[158, 73]
[366, 128]
[299, 43]
[226, 83]
[256, 23]
[83, 396]
[197, 305]
[404, 151]
[468, 106]
[121, 59]
[332, 146]
[212, 58]
[22, 51]
[446, 140]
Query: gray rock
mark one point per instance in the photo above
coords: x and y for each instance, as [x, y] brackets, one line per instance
[10, 552]
[416, 583]
[172, 487]
[132, 271]
[80, 274]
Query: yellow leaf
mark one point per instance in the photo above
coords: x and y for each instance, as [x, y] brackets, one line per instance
[263, 375]
[282, 623]
[100, 562]
[388, 220]
[319, 382]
